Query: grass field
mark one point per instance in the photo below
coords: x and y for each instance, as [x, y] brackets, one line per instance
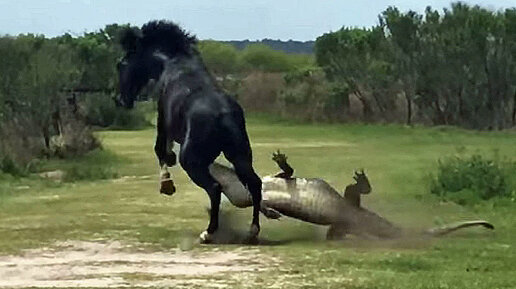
[397, 159]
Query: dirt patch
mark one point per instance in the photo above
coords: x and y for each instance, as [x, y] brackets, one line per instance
[95, 264]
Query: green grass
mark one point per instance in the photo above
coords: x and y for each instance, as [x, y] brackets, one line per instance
[397, 160]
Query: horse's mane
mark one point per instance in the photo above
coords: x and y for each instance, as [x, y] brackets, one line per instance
[164, 35]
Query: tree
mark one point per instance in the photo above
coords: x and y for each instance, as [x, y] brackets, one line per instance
[358, 59]
[404, 29]
[457, 67]
[264, 58]
[220, 58]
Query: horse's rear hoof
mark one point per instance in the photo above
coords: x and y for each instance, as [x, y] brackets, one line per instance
[206, 238]
[252, 240]
[254, 231]
[167, 187]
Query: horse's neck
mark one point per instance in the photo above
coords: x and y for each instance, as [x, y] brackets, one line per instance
[185, 69]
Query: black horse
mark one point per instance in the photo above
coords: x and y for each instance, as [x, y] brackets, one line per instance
[192, 111]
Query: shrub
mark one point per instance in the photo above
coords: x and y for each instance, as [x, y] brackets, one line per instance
[100, 110]
[86, 173]
[262, 57]
[220, 58]
[20, 142]
[24, 140]
[9, 166]
[468, 180]
[76, 139]
[309, 96]
[259, 90]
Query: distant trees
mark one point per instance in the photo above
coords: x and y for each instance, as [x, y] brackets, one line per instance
[40, 112]
[35, 115]
[222, 58]
[290, 46]
[355, 59]
[52, 89]
[457, 67]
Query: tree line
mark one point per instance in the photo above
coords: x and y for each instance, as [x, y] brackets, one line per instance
[52, 90]
[456, 67]
[290, 46]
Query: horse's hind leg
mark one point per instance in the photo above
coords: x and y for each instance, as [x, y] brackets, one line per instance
[166, 157]
[198, 171]
[248, 177]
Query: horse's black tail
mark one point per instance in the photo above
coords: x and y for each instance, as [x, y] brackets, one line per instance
[446, 229]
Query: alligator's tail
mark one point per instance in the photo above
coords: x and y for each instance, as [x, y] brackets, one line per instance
[440, 231]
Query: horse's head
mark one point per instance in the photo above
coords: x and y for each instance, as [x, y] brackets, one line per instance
[363, 185]
[146, 51]
[135, 70]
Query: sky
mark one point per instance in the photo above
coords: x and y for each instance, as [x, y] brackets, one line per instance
[209, 19]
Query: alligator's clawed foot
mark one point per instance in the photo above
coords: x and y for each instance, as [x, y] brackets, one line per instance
[270, 213]
[279, 157]
[167, 185]
[206, 238]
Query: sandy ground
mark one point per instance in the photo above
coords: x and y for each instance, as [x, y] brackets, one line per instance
[112, 264]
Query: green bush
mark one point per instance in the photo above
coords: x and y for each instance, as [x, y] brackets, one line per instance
[100, 110]
[220, 58]
[9, 166]
[262, 57]
[468, 180]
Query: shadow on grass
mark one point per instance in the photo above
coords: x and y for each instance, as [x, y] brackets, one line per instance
[232, 231]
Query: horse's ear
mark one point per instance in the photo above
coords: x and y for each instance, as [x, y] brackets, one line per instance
[130, 39]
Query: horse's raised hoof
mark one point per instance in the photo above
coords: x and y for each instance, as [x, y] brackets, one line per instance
[167, 187]
[206, 238]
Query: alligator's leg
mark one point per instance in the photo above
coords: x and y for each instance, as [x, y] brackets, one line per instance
[286, 173]
[269, 212]
[337, 231]
[286, 170]
[352, 196]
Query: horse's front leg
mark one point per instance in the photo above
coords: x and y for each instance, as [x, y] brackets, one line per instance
[166, 158]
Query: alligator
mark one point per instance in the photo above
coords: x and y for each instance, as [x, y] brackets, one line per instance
[315, 201]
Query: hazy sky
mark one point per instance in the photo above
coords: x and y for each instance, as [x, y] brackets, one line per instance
[215, 19]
